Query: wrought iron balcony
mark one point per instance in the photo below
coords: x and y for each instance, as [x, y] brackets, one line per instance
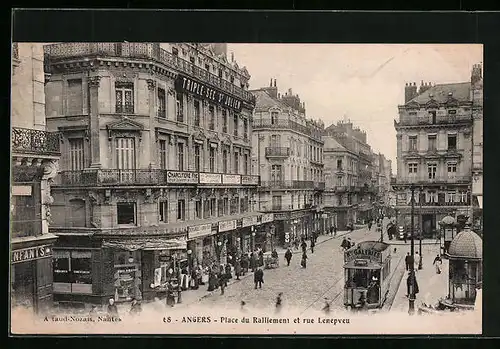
[26, 140]
[437, 180]
[283, 152]
[113, 177]
[287, 184]
[412, 120]
[287, 125]
[149, 51]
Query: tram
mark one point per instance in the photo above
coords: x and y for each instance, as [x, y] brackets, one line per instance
[367, 267]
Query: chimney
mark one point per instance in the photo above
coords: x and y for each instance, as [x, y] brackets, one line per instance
[476, 74]
[271, 83]
[279, 96]
[290, 92]
[232, 57]
[410, 91]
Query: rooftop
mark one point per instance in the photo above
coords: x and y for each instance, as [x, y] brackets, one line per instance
[467, 244]
[442, 92]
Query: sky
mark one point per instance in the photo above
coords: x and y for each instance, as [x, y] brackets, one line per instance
[361, 83]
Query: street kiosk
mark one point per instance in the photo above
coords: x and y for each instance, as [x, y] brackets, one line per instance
[367, 267]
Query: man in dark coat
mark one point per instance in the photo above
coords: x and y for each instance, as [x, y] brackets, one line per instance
[237, 268]
[303, 245]
[334, 230]
[312, 245]
[258, 278]
[288, 256]
[408, 261]
[409, 281]
[331, 230]
[344, 244]
[253, 261]
[303, 262]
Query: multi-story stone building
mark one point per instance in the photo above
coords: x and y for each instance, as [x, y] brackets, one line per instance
[383, 182]
[288, 155]
[35, 157]
[156, 170]
[434, 152]
[477, 145]
[359, 191]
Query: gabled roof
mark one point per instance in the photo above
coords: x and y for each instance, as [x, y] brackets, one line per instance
[264, 101]
[440, 93]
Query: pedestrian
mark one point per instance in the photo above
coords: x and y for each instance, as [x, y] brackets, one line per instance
[334, 230]
[408, 261]
[296, 244]
[416, 261]
[258, 278]
[237, 268]
[331, 230]
[242, 306]
[411, 280]
[437, 262]
[253, 262]
[228, 271]
[370, 225]
[274, 254]
[288, 256]
[405, 236]
[135, 307]
[344, 244]
[312, 246]
[112, 309]
[303, 262]
[222, 281]
[170, 299]
[261, 258]
[326, 308]
[279, 302]
[303, 245]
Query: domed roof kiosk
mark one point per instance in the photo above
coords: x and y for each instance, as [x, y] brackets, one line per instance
[448, 226]
[465, 255]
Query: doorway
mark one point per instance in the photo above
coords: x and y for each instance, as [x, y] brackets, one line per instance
[428, 224]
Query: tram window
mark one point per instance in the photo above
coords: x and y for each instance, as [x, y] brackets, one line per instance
[358, 278]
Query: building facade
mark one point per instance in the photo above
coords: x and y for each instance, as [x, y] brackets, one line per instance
[288, 155]
[477, 146]
[35, 157]
[156, 165]
[434, 153]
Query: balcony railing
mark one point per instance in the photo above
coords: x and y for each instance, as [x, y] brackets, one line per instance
[287, 184]
[28, 140]
[277, 151]
[440, 119]
[113, 177]
[285, 124]
[437, 180]
[319, 185]
[150, 51]
[26, 228]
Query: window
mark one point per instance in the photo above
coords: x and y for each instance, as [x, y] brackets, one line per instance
[226, 206]
[412, 169]
[197, 157]
[432, 197]
[163, 154]
[212, 159]
[292, 199]
[191, 59]
[452, 170]
[74, 97]
[196, 112]
[163, 211]
[197, 209]
[179, 104]
[340, 181]
[432, 116]
[452, 142]
[450, 197]
[206, 208]
[339, 164]
[244, 204]
[234, 206]
[72, 271]
[213, 207]
[274, 117]
[76, 154]
[220, 74]
[224, 121]
[276, 172]
[245, 130]
[231, 79]
[162, 103]
[236, 162]
[220, 207]
[412, 143]
[277, 202]
[298, 172]
[431, 170]
[211, 111]
[464, 197]
[224, 161]
[207, 67]
[175, 51]
[275, 141]
[124, 97]
[431, 142]
[245, 164]
[126, 213]
[180, 156]
[125, 158]
[181, 209]
[235, 120]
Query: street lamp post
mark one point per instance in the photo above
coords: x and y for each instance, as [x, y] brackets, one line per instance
[420, 261]
[411, 298]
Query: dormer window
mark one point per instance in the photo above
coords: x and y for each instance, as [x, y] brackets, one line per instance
[175, 51]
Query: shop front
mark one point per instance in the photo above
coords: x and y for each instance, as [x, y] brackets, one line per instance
[201, 243]
[226, 241]
[250, 233]
[31, 281]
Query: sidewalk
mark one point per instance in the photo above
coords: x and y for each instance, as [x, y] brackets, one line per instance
[432, 286]
[417, 242]
[193, 296]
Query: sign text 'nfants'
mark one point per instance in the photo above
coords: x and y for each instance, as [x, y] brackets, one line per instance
[32, 253]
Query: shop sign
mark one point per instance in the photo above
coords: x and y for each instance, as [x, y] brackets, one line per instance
[227, 225]
[199, 230]
[358, 253]
[280, 216]
[210, 178]
[231, 179]
[21, 190]
[295, 215]
[186, 84]
[248, 221]
[287, 237]
[30, 254]
[182, 177]
[266, 218]
[249, 180]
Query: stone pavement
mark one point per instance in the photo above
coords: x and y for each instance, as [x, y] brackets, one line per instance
[432, 286]
[191, 297]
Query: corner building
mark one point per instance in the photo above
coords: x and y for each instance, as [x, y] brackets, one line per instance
[35, 159]
[288, 154]
[434, 152]
[155, 171]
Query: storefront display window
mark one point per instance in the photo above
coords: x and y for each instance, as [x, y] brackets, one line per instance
[127, 276]
[72, 271]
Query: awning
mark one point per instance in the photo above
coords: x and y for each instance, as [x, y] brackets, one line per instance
[146, 244]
